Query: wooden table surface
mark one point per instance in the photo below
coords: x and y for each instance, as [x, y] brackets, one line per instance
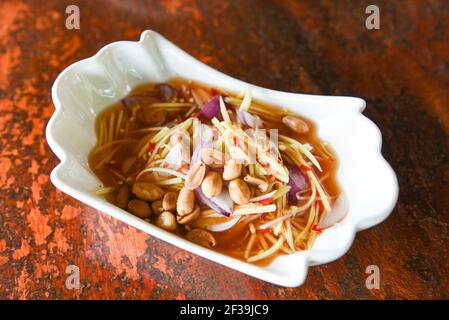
[319, 47]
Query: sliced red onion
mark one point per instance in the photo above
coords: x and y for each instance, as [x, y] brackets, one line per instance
[224, 201]
[219, 227]
[167, 92]
[201, 96]
[196, 154]
[212, 109]
[297, 182]
[174, 157]
[206, 133]
[208, 202]
[338, 212]
[248, 119]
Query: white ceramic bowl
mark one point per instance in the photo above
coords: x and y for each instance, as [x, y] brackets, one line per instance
[85, 88]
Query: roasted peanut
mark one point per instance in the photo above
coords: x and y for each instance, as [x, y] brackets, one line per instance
[190, 217]
[123, 196]
[153, 117]
[239, 191]
[261, 184]
[201, 237]
[195, 175]
[150, 177]
[157, 207]
[232, 170]
[169, 201]
[186, 201]
[295, 124]
[212, 184]
[147, 191]
[166, 220]
[139, 208]
[212, 157]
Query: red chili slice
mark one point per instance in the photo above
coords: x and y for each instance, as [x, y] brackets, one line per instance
[184, 166]
[320, 205]
[165, 164]
[151, 147]
[266, 201]
[317, 229]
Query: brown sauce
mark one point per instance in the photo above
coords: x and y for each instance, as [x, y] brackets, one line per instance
[109, 163]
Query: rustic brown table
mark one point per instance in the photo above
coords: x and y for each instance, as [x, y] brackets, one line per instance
[320, 47]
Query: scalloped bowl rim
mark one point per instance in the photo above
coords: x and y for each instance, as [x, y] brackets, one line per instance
[286, 270]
